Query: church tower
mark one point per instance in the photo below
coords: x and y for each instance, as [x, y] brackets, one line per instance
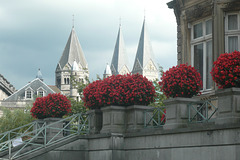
[72, 59]
[144, 61]
[119, 64]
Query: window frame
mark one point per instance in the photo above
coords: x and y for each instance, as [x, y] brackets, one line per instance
[27, 90]
[204, 39]
[232, 33]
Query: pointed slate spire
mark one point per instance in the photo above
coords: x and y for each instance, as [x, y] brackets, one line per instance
[144, 60]
[119, 64]
[73, 51]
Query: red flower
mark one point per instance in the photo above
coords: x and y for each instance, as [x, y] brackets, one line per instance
[119, 90]
[181, 81]
[52, 105]
[226, 70]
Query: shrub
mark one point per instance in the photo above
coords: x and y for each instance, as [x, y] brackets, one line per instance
[226, 70]
[52, 105]
[121, 90]
[14, 118]
[181, 81]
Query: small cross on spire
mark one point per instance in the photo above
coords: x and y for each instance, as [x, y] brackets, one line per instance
[73, 21]
[120, 22]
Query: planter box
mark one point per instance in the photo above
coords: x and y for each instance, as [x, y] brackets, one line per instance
[95, 123]
[177, 112]
[114, 119]
[228, 105]
[135, 117]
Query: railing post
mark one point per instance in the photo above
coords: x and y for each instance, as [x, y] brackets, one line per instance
[9, 146]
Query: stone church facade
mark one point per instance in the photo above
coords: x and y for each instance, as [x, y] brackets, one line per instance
[206, 29]
[71, 64]
[144, 63]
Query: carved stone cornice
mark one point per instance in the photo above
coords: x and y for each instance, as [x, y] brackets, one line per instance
[198, 11]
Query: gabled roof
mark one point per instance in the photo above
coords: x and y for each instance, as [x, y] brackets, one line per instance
[73, 51]
[119, 58]
[34, 85]
[144, 51]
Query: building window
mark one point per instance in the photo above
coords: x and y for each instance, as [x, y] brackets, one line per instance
[232, 32]
[201, 51]
[40, 93]
[28, 94]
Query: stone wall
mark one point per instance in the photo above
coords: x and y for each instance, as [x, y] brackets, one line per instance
[198, 142]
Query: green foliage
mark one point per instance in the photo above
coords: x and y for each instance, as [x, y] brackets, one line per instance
[77, 107]
[160, 96]
[14, 118]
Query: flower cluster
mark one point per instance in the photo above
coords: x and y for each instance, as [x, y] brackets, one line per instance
[181, 81]
[52, 105]
[226, 70]
[119, 90]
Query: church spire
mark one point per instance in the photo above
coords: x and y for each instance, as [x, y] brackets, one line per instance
[119, 64]
[73, 51]
[144, 60]
[71, 61]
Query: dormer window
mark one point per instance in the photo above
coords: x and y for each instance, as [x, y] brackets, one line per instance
[41, 92]
[29, 93]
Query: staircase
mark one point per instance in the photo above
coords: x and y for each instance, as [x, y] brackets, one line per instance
[41, 134]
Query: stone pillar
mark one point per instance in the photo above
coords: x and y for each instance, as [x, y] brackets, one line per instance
[177, 112]
[95, 121]
[135, 117]
[114, 119]
[54, 125]
[228, 105]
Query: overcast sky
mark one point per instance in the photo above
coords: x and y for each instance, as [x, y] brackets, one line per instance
[33, 34]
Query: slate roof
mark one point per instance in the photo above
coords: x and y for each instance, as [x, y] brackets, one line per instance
[73, 52]
[119, 58]
[34, 85]
[144, 51]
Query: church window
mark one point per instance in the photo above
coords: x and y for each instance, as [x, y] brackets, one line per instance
[201, 51]
[68, 82]
[65, 81]
[232, 32]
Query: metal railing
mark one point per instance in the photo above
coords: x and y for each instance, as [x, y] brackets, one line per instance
[201, 111]
[37, 134]
[155, 117]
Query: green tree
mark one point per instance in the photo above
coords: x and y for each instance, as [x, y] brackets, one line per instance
[14, 118]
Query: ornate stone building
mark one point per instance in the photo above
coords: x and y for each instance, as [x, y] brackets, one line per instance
[72, 62]
[6, 88]
[206, 28]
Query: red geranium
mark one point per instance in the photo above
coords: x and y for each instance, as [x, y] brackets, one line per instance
[226, 70]
[119, 90]
[52, 105]
[181, 81]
